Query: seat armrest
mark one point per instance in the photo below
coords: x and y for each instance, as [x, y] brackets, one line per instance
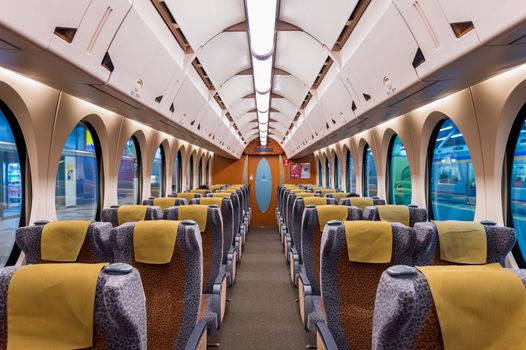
[231, 265]
[305, 302]
[287, 244]
[219, 297]
[324, 338]
[294, 258]
[198, 339]
[238, 245]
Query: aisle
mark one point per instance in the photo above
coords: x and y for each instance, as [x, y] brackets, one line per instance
[262, 314]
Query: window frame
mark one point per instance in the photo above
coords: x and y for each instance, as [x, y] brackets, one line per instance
[388, 168]
[320, 173]
[349, 156]
[139, 163]
[25, 171]
[429, 165]
[365, 189]
[337, 172]
[191, 170]
[163, 170]
[327, 172]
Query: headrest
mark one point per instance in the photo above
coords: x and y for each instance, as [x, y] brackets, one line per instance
[154, 241]
[329, 212]
[394, 213]
[338, 195]
[62, 240]
[478, 307]
[165, 202]
[324, 191]
[211, 200]
[131, 213]
[198, 213]
[297, 190]
[201, 191]
[186, 195]
[369, 241]
[361, 202]
[304, 194]
[315, 201]
[51, 306]
[214, 187]
[221, 195]
[462, 242]
[230, 190]
[237, 186]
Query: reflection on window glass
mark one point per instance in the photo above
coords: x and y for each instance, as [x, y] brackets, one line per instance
[370, 179]
[10, 189]
[77, 191]
[156, 184]
[336, 172]
[517, 183]
[208, 173]
[327, 173]
[350, 177]
[399, 174]
[452, 180]
[200, 173]
[320, 174]
[129, 176]
[177, 173]
[191, 173]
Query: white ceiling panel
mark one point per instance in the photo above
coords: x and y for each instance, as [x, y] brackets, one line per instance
[202, 20]
[295, 47]
[285, 107]
[235, 89]
[224, 56]
[241, 107]
[290, 87]
[322, 19]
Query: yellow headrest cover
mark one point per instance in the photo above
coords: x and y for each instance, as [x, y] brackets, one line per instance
[478, 307]
[201, 191]
[198, 213]
[228, 191]
[369, 241]
[324, 191]
[329, 212]
[186, 195]
[462, 242]
[315, 201]
[51, 306]
[131, 213]
[237, 186]
[211, 200]
[304, 194]
[221, 195]
[338, 195]
[361, 202]
[164, 203]
[154, 241]
[394, 213]
[62, 240]
[297, 190]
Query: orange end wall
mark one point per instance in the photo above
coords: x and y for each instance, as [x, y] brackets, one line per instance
[306, 159]
[227, 171]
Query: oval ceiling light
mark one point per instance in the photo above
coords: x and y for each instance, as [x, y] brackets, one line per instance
[262, 74]
[263, 101]
[263, 117]
[261, 16]
[263, 127]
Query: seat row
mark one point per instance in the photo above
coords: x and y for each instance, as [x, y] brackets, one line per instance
[358, 285]
[155, 283]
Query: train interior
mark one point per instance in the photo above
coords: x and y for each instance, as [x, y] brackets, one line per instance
[263, 174]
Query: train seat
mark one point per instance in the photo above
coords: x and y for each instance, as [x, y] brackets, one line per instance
[337, 195]
[407, 215]
[406, 316]
[164, 202]
[172, 285]
[498, 243]
[361, 202]
[236, 205]
[353, 256]
[188, 196]
[243, 222]
[287, 210]
[65, 241]
[215, 281]
[324, 191]
[286, 235]
[229, 250]
[117, 294]
[202, 191]
[307, 275]
[241, 190]
[118, 215]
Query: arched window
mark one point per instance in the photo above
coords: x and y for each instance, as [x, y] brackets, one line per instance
[370, 180]
[177, 173]
[336, 172]
[157, 178]
[12, 185]
[320, 174]
[452, 182]
[350, 176]
[191, 173]
[200, 173]
[77, 193]
[516, 161]
[129, 180]
[327, 173]
[208, 172]
[399, 173]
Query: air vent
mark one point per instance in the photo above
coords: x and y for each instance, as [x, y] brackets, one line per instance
[419, 58]
[353, 106]
[172, 108]
[351, 23]
[66, 34]
[462, 28]
[366, 97]
[107, 62]
[158, 99]
[170, 21]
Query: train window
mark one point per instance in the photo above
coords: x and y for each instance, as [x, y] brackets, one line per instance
[177, 176]
[77, 194]
[517, 185]
[191, 173]
[452, 183]
[327, 173]
[128, 183]
[336, 172]
[370, 180]
[12, 149]
[157, 178]
[350, 176]
[208, 172]
[320, 175]
[200, 173]
[399, 173]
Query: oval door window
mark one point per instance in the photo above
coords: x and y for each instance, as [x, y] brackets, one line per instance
[263, 185]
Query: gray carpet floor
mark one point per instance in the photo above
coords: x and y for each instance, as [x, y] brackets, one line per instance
[263, 313]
